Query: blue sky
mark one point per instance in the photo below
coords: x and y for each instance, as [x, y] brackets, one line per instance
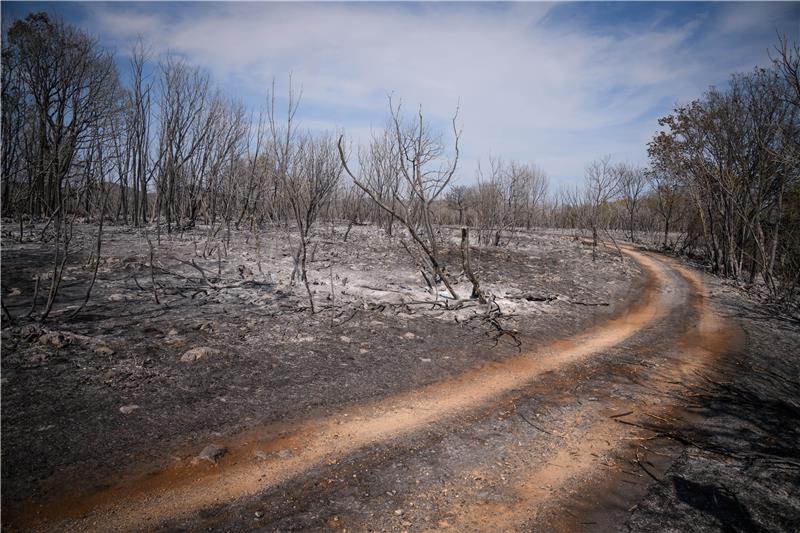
[555, 84]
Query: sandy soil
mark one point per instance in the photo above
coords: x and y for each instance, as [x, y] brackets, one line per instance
[374, 414]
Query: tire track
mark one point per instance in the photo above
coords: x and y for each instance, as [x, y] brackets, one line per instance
[594, 452]
[183, 490]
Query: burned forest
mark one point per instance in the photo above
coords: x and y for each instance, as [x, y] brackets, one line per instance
[230, 312]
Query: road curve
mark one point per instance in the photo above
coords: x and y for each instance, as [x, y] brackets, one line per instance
[576, 487]
[183, 490]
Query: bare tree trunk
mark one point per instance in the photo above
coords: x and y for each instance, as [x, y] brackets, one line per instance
[97, 256]
[465, 261]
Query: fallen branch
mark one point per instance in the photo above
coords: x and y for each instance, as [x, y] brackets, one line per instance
[626, 413]
[588, 303]
[532, 298]
[534, 426]
[377, 289]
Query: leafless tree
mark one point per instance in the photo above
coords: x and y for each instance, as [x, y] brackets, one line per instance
[67, 85]
[65, 88]
[600, 186]
[492, 203]
[667, 189]
[457, 200]
[410, 150]
[632, 183]
[308, 170]
[184, 116]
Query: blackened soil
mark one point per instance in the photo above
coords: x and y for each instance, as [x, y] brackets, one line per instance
[740, 467]
[121, 400]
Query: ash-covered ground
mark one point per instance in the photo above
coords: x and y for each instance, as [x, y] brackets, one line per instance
[740, 465]
[129, 383]
[130, 386]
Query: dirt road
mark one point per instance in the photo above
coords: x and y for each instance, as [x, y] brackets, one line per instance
[537, 439]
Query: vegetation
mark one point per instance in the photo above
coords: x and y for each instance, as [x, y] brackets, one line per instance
[167, 150]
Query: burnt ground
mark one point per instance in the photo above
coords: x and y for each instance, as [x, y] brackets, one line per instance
[62, 399]
[740, 466]
[715, 448]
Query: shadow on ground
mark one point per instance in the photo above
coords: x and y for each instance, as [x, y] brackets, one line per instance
[740, 470]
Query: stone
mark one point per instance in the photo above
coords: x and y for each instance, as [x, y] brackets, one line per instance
[212, 453]
[60, 339]
[201, 352]
[103, 350]
[245, 272]
[261, 455]
[54, 339]
[30, 332]
[128, 409]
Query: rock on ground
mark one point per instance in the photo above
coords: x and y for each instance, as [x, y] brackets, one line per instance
[212, 453]
[201, 352]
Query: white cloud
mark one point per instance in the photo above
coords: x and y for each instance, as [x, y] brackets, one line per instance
[528, 89]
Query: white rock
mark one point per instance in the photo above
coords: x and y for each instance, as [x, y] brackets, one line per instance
[212, 453]
[201, 352]
[56, 339]
[103, 350]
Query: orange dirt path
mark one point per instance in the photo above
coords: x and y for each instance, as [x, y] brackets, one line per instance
[588, 454]
[185, 489]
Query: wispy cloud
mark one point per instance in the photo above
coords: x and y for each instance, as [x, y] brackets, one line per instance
[556, 84]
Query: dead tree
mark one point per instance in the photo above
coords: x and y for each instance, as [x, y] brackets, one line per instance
[411, 151]
[632, 183]
[457, 200]
[466, 263]
[308, 170]
[492, 202]
[138, 121]
[67, 90]
[600, 185]
[184, 124]
[67, 86]
[668, 195]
